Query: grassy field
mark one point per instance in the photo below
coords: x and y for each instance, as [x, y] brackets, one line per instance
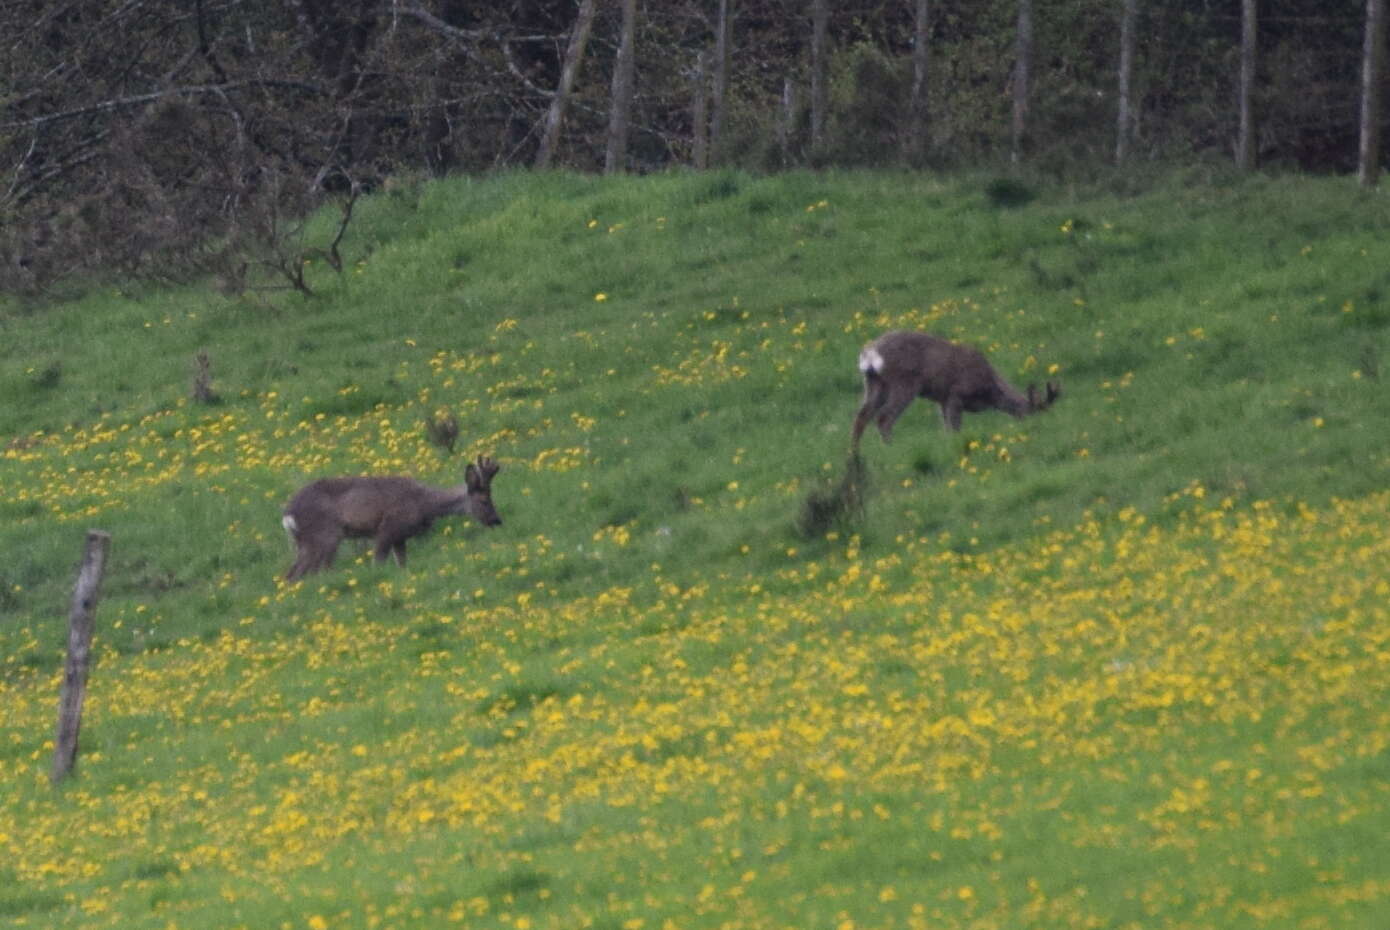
[1123, 664]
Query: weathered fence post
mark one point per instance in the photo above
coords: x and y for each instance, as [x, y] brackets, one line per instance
[84, 601]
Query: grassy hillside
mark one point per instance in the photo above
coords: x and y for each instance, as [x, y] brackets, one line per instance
[1118, 664]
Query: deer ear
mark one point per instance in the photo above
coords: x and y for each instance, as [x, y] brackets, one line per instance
[471, 476]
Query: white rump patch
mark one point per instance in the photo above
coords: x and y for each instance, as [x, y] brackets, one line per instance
[870, 360]
[288, 523]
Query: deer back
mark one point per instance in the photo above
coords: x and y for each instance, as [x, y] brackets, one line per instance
[936, 367]
[359, 505]
[404, 501]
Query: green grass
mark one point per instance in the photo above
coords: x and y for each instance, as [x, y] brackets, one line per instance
[1119, 664]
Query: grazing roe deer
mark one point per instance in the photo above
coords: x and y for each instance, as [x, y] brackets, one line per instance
[388, 509]
[899, 366]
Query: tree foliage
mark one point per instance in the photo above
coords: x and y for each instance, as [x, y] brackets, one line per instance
[150, 136]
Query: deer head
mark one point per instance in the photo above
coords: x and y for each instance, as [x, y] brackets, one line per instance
[901, 366]
[477, 497]
[389, 510]
[1038, 404]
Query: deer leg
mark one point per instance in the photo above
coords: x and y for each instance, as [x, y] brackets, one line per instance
[309, 561]
[325, 558]
[899, 396]
[315, 553]
[390, 542]
[951, 409]
[874, 393]
[300, 566]
[382, 550]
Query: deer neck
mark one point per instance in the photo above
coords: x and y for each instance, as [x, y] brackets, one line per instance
[1011, 399]
[446, 501]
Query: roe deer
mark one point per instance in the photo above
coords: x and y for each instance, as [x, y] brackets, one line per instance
[388, 509]
[900, 366]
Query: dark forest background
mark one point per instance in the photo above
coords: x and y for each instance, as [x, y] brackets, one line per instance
[174, 138]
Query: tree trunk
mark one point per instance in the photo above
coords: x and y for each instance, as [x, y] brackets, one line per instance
[699, 114]
[1023, 66]
[918, 112]
[820, 94]
[722, 52]
[1124, 120]
[787, 130]
[574, 54]
[1372, 73]
[615, 159]
[1245, 140]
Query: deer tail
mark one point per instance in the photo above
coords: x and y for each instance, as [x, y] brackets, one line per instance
[870, 361]
[290, 525]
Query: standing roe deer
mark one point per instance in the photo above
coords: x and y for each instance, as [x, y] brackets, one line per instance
[900, 366]
[388, 509]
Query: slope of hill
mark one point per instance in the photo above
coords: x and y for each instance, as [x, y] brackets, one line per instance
[1117, 664]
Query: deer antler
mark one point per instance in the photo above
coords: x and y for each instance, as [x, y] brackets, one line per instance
[1054, 391]
[487, 468]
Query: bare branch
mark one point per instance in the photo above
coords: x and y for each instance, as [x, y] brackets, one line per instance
[121, 103]
[438, 25]
[519, 75]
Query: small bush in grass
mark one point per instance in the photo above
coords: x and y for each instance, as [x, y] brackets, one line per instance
[47, 377]
[835, 506]
[1009, 192]
[203, 392]
[1369, 365]
[442, 430]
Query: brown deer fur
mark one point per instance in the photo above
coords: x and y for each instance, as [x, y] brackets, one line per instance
[900, 366]
[390, 510]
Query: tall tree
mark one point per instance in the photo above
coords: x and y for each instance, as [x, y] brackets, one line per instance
[1125, 117]
[1245, 140]
[569, 70]
[918, 108]
[615, 157]
[820, 94]
[1023, 67]
[699, 113]
[1372, 74]
[723, 52]
[786, 126]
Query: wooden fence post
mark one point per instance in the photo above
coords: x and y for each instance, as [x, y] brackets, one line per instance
[84, 601]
